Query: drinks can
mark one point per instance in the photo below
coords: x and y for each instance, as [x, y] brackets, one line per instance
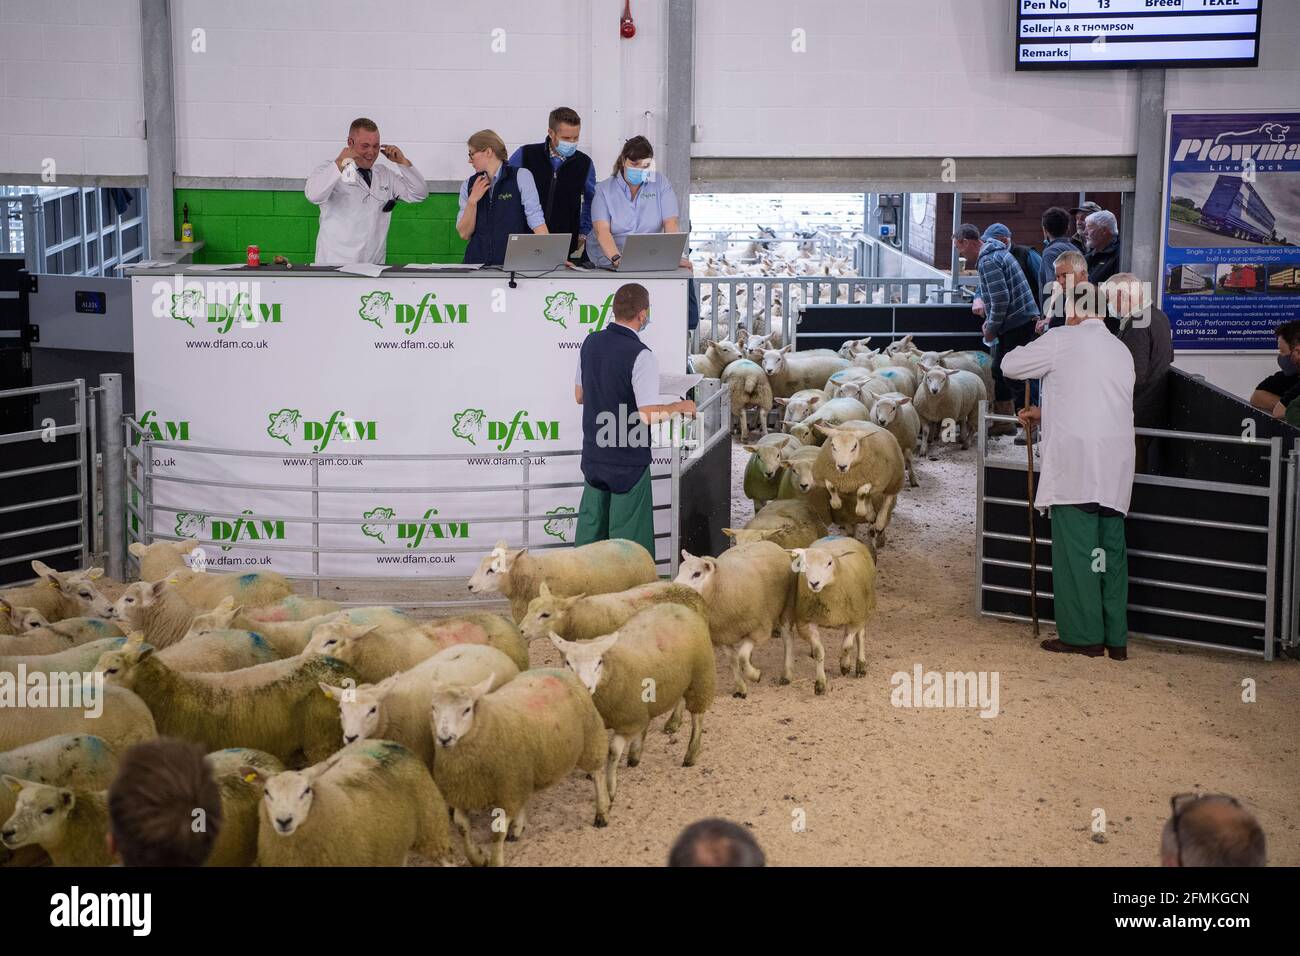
[254, 256]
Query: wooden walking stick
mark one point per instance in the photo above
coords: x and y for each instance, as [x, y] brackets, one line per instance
[1033, 534]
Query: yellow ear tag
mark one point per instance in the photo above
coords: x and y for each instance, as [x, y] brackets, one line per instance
[250, 778]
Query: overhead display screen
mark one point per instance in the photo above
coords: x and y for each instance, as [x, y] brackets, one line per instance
[1131, 34]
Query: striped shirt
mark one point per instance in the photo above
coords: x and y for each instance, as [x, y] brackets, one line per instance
[1008, 300]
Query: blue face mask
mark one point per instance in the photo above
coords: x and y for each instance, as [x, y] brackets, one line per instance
[1287, 364]
[646, 324]
[565, 149]
[635, 176]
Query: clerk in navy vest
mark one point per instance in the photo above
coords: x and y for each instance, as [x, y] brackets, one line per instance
[494, 202]
[617, 386]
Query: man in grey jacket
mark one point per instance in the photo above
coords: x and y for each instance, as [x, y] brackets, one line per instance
[1144, 330]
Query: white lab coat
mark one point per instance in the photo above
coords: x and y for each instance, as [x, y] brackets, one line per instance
[353, 227]
[1087, 405]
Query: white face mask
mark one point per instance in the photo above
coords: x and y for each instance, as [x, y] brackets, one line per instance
[646, 324]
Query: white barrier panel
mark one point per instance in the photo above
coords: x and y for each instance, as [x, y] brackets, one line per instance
[342, 366]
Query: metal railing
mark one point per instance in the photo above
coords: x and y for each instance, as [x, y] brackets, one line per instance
[1276, 492]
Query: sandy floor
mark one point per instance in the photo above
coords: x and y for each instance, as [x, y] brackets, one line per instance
[875, 784]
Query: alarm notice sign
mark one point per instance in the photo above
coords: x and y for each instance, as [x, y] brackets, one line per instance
[1130, 34]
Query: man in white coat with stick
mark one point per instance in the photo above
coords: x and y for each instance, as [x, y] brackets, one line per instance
[1087, 473]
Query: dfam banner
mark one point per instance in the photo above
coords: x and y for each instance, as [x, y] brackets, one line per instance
[1230, 268]
[344, 367]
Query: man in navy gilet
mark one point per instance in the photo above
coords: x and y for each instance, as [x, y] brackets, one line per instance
[496, 202]
[565, 177]
[617, 386]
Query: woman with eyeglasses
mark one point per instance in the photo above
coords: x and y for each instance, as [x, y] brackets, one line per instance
[495, 202]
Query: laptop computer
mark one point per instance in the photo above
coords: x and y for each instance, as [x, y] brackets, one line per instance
[653, 252]
[529, 252]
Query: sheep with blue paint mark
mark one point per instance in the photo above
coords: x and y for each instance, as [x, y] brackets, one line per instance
[241, 800]
[80, 659]
[289, 638]
[116, 714]
[60, 636]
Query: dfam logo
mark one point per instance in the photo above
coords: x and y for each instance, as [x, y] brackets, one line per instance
[159, 429]
[1264, 143]
[190, 306]
[378, 306]
[379, 521]
[289, 425]
[564, 307]
[472, 422]
[189, 524]
[561, 525]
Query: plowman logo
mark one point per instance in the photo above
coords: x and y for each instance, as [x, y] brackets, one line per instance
[561, 526]
[190, 305]
[379, 521]
[563, 307]
[470, 425]
[161, 430]
[1267, 142]
[288, 425]
[189, 524]
[378, 306]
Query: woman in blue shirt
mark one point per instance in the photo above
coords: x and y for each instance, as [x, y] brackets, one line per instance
[495, 202]
[633, 200]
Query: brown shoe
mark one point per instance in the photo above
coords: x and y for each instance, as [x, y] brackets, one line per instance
[1060, 647]
[1002, 428]
[1117, 653]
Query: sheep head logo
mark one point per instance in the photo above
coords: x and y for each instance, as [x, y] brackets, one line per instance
[189, 524]
[468, 424]
[378, 520]
[376, 306]
[188, 306]
[560, 306]
[562, 524]
[283, 424]
[1275, 132]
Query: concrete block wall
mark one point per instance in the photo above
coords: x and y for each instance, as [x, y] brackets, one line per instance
[70, 87]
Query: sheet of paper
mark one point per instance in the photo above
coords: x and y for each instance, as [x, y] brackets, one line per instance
[214, 266]
[362, 269]
[452, 266]
[678, 385]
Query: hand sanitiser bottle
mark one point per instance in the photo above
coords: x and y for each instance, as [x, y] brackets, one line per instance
[187, 230]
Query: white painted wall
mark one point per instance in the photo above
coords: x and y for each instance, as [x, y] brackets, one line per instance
[1238, 373]
[280, 81]
[932, 78]
[70, 87]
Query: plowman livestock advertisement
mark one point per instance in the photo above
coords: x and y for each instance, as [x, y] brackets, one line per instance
[352, 366]
[1231, 251]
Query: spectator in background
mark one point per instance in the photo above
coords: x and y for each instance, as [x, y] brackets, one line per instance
[1006, 304]
[1269, 393]
[1056, 233]
[1211, 829]
[716, 842]
[1144, 330]
[152, 804]
[564, 176]
[1029, 260]
[1101, 232]
[1081, 214]
[1071, 272]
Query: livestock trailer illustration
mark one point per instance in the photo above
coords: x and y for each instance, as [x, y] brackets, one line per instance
[1236, 209]
[1286, 279]
[1240, 278]
[1184, 279]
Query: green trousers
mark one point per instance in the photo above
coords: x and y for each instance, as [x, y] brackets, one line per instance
[603, 515]
[1089, 577]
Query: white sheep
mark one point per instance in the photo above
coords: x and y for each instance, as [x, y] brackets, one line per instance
[837, 385]
[69, 824]
[397, 708]
[792, 523]
[114, 713]
[835, 591]
[948, 396]
[763, 470]
[863, 460]
[873, 359]
[295, 607]
[61, 594]
[81, 761]
[80, 659]
[19, 620]
[896, 413]
[290, 638]
[241, 799]
[715, 358]
[495, 750]
[799, 406]
[790, 373]
[582, 617]
[750, 388]
[666, 645]
[902, 379]
[854, 347]
[276, 707]
[367, 805]
[597, 568]
[203, 590]
[747, 591]
[835, 412]
[161, 558]
[59, 636]
[970, 360]
[225, 650]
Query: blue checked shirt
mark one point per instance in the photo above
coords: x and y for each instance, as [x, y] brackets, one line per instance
[1008, 300]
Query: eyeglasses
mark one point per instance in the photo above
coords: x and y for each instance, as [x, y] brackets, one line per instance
[1179, 804]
